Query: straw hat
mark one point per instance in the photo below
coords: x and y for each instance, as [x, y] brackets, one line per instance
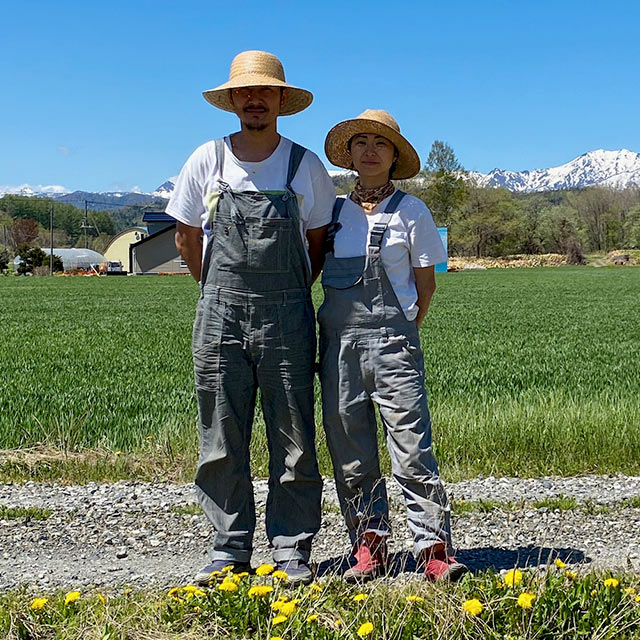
[258, 69]
[336, 146]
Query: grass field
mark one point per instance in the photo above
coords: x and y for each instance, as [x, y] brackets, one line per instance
[520, 605]
[529, 371]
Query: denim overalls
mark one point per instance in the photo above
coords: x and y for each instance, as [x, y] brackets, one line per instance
[370, 352]
[255, 329]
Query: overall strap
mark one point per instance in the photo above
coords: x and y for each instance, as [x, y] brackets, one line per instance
[295, 158]
[380, 227]
[334, 225]
[220, 145]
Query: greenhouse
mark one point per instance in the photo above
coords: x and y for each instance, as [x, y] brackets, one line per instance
[81, 259]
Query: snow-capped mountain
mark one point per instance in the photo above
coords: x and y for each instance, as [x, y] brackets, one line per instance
[615, 169]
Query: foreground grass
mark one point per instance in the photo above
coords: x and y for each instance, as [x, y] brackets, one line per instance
[542, 361]
[517, 606]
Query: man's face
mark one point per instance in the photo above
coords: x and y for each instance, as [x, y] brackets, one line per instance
[257, 107]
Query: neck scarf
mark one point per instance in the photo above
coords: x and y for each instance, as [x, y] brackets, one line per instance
[369, 198]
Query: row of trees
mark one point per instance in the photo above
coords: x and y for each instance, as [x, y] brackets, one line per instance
[496, 222]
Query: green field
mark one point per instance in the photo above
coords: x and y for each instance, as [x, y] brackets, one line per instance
[529, 371]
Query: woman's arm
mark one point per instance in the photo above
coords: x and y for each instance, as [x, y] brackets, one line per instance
[425, 285]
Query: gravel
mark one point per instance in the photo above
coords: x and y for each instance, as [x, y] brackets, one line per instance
[140, 534]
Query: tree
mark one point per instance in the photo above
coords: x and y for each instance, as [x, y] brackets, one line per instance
[23, 231]
[446, 190]
[4, 260]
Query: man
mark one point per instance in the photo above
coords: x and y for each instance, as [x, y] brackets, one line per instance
[252, 211]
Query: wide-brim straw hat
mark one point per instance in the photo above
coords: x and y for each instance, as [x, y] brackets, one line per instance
[258, 69]
[381, 123]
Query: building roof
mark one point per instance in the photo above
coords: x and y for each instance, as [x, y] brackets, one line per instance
[157, 216]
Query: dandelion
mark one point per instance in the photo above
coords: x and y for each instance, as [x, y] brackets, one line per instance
[259, 591]
[637, 598]
[283, 598]
[280, 575]
[360, 597]
[473, 607]
[559, 563]
[287, 608]
[101, 598]
[276, 638]
[594, 593]
[365, 629]
[227, 585]
[280, 619]
[629, 591]
[312, 618]
[39, 603]
[413, 599]
[127, 591]
[338, 623]
[525, 600]
[314, 586]
[226, 569]
[264, 569]
[172, 592]
[196, 593]
[513, 577]
[572, 575]
[118, 453]
[72, 596]
[611, 583]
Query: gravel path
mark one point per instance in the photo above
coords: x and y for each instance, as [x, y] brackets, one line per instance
[139, 534]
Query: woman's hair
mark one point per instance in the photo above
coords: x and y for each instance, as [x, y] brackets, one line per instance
[395, 150]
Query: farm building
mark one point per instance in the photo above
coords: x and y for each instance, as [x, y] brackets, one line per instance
[118, 248]
[157, 252]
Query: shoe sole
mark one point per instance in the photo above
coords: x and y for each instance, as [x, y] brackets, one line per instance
[356, 577]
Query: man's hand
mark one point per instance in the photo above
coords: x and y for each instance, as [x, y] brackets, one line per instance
[189, 244]
[425, 285]
[316, 238]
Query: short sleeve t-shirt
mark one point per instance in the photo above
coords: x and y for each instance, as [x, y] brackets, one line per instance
[195, 193]
[411, 240]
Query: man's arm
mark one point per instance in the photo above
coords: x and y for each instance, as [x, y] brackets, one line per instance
[189, 244]
[316, 238]
[425, 285]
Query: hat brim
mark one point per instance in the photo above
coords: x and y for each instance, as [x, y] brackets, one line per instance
[297, 99]
[336, 145]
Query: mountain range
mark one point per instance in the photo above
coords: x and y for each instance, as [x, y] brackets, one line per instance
[615, 169]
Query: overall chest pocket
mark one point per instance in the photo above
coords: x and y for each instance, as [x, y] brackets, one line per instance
[269, 242]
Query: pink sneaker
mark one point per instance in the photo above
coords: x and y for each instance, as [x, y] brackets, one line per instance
[439, 565]
[371, 556]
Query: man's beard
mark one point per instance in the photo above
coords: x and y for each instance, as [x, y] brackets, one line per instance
[256, 126]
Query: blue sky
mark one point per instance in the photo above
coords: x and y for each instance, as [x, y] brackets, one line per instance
[105, 96]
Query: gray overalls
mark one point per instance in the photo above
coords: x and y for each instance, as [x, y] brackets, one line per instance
[255, 329]
[370, 352]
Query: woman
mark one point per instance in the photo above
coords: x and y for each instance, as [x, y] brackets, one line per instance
[378, 281]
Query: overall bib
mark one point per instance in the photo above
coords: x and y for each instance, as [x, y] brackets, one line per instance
[370, 352]
[255, 329]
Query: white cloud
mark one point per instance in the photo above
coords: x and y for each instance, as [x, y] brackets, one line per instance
[29, 189]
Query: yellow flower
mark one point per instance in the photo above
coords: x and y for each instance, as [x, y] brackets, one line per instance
[415, 599]
[611, 583]
[229, 567]
[559, 563]
[637, 598]
[101, 598]
[572, 575]
[38, 603]
[338, 623]
[365, 629]
[360, 597]
[127, 591]
[174, 590]
[525, 600]
[473, 607]
[315, 587]
[287, 608]
[280, 619]
[196, 593]
[227, 585]
[276, 638]
[118, 453]
[190, 588]
[264, 569]
[280, 575]
[259, 590]
[72, 596]
[513, 577]
[594, 593]
[283, 598]
[629, 591]
[312, 618]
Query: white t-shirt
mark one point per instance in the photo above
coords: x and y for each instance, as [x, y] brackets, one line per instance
[196, 189]
[411, 240]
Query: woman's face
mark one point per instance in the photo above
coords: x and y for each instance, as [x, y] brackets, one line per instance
[372, 155]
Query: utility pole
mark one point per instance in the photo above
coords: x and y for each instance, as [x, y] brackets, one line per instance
[85, 223]
[51, 239]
